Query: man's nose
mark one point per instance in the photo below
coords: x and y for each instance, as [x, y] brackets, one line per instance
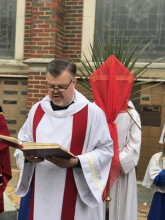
[55, 90]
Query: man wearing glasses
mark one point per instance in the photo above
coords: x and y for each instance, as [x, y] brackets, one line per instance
[61, 188]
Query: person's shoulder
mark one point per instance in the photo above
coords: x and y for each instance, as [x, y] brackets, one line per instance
[35, 106]
[133, 110]
[94, 107]
[156, 156]
[134, 113]
[95, 111]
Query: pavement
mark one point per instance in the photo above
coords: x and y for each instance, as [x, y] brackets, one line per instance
[143, 210]
[144, 200]
[143, 207]
[12, 201]
[10, 192]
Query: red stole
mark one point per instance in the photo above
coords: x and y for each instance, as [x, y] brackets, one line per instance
[77, 143]
[37, 117]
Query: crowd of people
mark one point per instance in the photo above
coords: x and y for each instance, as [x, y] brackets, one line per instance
[62, 188]
[155, 178]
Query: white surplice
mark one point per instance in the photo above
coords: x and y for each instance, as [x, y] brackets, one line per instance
[153, 169]
[123, 193]
[162, 135]
[56, 127]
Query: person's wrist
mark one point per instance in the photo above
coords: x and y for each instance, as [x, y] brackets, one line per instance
[78, 163]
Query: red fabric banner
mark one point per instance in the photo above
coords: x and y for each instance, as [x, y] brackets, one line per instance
[111, 85]
[5, 167]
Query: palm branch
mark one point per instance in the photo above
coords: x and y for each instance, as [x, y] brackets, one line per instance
[126, 53]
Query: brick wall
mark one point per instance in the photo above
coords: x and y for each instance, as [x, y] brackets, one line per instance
[36, 88]
[73, 28]
[44, 29]
[28, 23]
[53, 29]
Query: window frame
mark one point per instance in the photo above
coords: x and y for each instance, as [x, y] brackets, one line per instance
[19, 33]
[89, 16]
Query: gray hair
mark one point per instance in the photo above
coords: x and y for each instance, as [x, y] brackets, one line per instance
[57, 66]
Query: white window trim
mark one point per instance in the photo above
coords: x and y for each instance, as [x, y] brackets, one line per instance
[19, 35]
[15, 65]
[88, 27]
[20, 25]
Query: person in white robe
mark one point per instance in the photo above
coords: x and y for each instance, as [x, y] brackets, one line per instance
[123, 194]
[56, 127]
[155, 178]
[161, 141]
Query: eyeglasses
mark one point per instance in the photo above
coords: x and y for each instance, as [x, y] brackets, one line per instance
[61, 89]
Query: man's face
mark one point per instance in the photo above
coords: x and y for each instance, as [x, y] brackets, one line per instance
[61, 81]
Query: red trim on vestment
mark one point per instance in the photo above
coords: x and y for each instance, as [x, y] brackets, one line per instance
[77, 143]
[37, 117]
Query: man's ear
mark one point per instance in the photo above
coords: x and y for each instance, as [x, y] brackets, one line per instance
[75, 81]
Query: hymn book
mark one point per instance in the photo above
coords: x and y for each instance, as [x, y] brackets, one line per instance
[41, 150]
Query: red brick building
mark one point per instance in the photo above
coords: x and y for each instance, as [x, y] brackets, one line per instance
[53, 29]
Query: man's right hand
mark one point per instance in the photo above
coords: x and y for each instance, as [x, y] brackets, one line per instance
[32, 158]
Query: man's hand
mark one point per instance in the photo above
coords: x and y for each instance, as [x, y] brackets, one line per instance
[32, 158]
[63, 162]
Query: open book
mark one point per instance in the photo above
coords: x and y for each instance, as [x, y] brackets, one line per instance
[41, 150]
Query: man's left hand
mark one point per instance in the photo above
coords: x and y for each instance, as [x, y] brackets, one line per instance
[63, 162]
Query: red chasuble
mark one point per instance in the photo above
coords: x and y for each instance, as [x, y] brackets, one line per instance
[111, 85]
[77, 143]
[5, 167]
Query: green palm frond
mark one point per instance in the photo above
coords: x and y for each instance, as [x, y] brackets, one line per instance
[149, 87]
[123, 49]
[140, 70]
[139, 54]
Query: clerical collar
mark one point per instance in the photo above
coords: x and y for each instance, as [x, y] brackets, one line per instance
[57, 107]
